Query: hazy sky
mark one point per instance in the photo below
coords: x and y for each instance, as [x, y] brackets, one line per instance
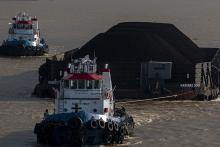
[71, 23]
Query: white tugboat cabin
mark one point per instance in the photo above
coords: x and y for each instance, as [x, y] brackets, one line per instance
[85, 113]
[83, 88]
[23, 37]
[24, 27]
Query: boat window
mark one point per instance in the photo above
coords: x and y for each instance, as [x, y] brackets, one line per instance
[81, 84]
[27, 26]
[97, 84]
[90, 67]
[20, 26]
[89, 84]
[66, 84]
[73, 84]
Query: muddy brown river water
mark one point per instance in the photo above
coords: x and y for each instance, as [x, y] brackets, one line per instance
[158, 123]
[69, 24]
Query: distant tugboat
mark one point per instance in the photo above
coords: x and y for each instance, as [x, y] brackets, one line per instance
[24, 38]
[84, 110]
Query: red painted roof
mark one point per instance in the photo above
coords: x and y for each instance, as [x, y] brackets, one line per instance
[83, 76]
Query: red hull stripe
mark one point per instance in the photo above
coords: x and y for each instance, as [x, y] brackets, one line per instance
[23, 22]
[83, 76]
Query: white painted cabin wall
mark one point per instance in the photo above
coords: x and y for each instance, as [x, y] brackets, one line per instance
[82, 93]
[87, 106]
[107, 82]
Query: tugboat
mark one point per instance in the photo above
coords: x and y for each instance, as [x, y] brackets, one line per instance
[85, 113]
[24, 38]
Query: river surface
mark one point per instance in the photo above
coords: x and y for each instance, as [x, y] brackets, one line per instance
[68, 24]
[177, 123]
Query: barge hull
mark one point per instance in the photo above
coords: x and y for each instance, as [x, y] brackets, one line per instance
[21, 51]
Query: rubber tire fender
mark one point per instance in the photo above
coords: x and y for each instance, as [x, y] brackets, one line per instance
[94, 124]
[108, 138]
[75, 123]
[110, 126]
[101, 123]
[77, 142]
[116, 126]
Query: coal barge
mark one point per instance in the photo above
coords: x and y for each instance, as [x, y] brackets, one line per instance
[129, 48]
[85, 113]
[24, 38]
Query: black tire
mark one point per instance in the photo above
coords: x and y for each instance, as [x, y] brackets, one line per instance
[76, 142]
[120, 139]
[75, 123]
[122, 130]
[108, 138]
[116, 126]
[94, 124]
[27, 51]
[101, 124]
[110, 126]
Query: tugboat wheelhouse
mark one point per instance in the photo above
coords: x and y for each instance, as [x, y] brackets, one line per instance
[24, 37]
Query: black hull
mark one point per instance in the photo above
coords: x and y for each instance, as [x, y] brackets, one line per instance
[21, 51]
[74, 132]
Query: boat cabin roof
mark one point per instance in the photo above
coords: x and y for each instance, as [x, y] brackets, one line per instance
[24, 18]
[24, 22]
[83, 76]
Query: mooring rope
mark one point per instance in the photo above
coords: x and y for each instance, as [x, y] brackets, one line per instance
[158, 98]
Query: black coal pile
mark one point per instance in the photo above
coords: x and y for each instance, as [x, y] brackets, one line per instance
[127, 45]
[142, 41]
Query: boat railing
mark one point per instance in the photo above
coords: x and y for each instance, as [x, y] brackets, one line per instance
[11, 31]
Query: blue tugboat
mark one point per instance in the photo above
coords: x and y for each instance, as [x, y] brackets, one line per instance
[85, 113]
[24, 38]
